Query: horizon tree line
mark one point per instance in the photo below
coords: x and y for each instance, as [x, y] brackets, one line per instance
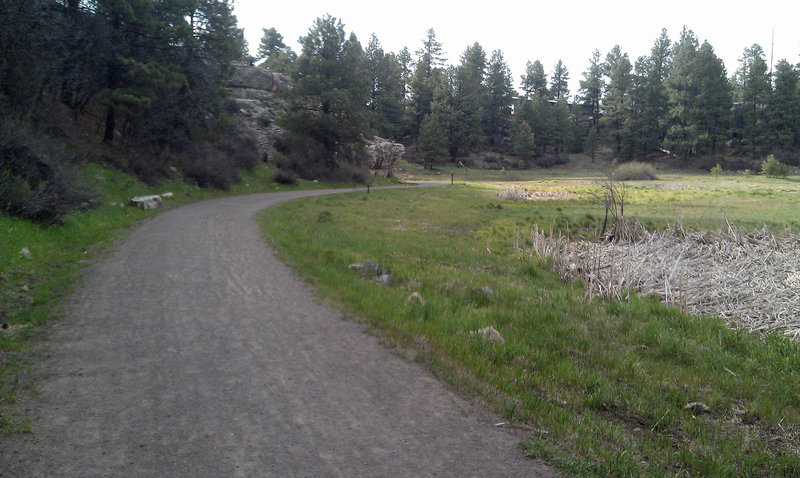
[678, 100]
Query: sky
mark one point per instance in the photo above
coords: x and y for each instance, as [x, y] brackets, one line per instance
[547, 31]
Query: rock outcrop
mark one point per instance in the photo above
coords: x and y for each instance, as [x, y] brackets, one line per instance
[259, 94]
[383, 155]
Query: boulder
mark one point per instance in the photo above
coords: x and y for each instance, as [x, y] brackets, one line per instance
[383, 155]
[253, 78]
[147, 202]
[489, 334]
[697, 407]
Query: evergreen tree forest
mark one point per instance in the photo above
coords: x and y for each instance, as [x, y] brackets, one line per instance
[680, 102]
[135, 83]
[144, 80]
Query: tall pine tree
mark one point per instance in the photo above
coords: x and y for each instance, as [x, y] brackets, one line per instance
[387, 90]
[617, 112]
[784, 108]
[470, 98]
[429, 61]
[327, 115]
[559, 83]
[752, 95]
[534, 81]
[500, 97]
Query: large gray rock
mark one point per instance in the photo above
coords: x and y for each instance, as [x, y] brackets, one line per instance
[259, 95]
[490, 334]
[254, 78]
[383, 155]
[147, 202]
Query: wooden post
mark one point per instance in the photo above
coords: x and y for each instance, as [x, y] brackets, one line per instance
[451, 178]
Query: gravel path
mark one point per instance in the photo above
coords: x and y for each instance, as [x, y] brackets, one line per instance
[192, 351]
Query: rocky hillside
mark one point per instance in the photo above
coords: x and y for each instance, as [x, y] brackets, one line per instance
[259, 94]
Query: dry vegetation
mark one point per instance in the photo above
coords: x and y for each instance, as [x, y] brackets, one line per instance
[749, 278]
[514, 193]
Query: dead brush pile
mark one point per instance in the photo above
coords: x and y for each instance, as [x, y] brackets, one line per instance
[514, 193]
[749, 278]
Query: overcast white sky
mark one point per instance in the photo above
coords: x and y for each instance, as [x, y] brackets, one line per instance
[547, 31]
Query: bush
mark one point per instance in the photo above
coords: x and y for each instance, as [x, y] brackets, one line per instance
[737, 164]
[309, 159]
[211, 168]
[241, 150]
[716, 170]
[283, 176]
[36, 182]
[550, 161]
[635, 171]
[773, 168]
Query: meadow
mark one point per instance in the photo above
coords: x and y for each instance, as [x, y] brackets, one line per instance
[602, 388]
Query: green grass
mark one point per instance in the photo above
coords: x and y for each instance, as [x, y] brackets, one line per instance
[602, 384]
[32, 289]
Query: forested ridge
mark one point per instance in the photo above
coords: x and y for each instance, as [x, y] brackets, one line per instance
[678, 102]
[141, 82]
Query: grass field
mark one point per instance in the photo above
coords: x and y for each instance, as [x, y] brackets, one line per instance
[601, 386]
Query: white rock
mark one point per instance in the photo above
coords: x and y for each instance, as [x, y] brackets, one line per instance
[147, 202]
[489, 333]
[415, 297]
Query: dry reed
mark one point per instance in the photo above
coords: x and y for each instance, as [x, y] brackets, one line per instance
[749, 278]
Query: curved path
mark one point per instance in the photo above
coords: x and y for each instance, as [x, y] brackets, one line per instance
[191, 350]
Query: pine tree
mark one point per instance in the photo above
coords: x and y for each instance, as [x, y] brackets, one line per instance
[617, 113]
[752, 94]
[534, 81]
[682, 89]
[432, 143]
[405, 61]
[386, 96]
[497, 117]
[559, 84]
[277, 55]
[470, 98]
[784, 107]
[523, 142]
[429, 60]
[712, 110]
[271, 43]
[592, 86]
[327, 113]
[560, 126]
[650, 95]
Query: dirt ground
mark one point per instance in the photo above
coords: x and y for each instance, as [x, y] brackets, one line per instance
[192, 351]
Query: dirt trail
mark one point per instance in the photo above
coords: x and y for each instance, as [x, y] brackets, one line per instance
[192, 351]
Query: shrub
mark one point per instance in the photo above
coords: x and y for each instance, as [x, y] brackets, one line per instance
[550, 161]
[283, 176]
[635, 171]
[211, 168]
[774, 168]
[36, 181]
[716, 170]
[241, 150]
